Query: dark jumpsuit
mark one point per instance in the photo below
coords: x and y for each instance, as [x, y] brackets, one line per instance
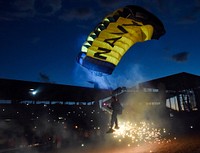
[115, 107]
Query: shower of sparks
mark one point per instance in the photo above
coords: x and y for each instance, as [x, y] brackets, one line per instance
[136, 133]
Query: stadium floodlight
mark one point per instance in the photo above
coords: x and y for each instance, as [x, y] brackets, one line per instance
[33, 91]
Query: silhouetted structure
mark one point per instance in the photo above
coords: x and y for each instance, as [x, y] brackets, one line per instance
[45, 113]
[180, 92]
[174, 99]
[48, 114]
[18, 91]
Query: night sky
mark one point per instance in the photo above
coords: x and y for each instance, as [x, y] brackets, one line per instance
[40, 40]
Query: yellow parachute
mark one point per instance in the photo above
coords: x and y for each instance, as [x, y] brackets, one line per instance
[117, 32]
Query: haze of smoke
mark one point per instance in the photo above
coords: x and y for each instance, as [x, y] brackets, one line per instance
[14, 131]
[48, 125]
[129, 78]
[135, 107]
[140, 106]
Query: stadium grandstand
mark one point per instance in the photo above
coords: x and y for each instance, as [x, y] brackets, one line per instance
[49, 116]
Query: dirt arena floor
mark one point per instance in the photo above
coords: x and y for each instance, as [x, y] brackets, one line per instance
[180, 144]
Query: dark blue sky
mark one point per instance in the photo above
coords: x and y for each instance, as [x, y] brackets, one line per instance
[40, 40]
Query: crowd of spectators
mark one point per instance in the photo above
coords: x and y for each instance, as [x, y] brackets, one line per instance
[56, 125]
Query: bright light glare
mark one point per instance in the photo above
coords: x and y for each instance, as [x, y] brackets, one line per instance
[33, 91]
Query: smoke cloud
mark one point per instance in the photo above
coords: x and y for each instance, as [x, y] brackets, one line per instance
[44, 78]
[131, 77]
[180, 57]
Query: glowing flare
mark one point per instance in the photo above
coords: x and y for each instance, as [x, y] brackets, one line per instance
[139, 132]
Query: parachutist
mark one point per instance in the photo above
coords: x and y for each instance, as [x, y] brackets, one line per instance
[116, 110]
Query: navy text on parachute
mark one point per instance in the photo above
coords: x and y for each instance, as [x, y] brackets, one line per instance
[117, 32]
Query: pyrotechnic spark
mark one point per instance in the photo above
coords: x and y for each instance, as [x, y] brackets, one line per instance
[135, 133]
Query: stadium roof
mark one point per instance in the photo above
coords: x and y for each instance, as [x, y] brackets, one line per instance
[18, 90]
[176, 82]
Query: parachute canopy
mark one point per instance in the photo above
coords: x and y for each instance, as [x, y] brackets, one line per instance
[117, 32]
